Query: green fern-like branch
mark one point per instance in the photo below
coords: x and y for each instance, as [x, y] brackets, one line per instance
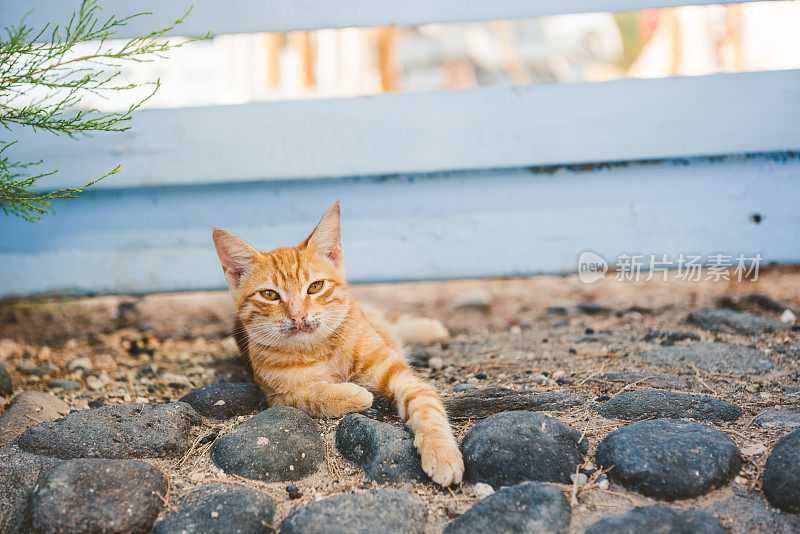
[44, 63]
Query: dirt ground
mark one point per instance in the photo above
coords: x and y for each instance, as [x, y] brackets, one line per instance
[155, 348]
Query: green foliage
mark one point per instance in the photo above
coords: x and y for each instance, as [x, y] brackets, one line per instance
[43, 81]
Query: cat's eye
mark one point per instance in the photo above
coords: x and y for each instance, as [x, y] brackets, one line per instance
[270, 294]
[315, 287]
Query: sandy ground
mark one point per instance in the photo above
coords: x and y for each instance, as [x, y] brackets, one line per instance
[156, 348]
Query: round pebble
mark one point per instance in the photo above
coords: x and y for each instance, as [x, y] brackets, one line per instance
[375, 512]
[280, 443]
[668, 458]
[524, 507]
[97, 495]
[782, 473]
[658, 519]
[511, 447]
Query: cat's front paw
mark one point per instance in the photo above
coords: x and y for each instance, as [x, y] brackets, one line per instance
[441, 460]
[345, 398]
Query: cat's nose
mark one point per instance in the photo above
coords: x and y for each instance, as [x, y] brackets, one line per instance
[298, 320]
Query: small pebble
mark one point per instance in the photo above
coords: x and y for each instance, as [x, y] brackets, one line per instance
[788, 317]
[208, 438]
[579, 478]
[602, 482]
[752, 450]
[452, 513]
[436, 363]
[480, 376]
[483, 490]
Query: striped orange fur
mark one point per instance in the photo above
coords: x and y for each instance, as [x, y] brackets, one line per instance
[311, 345]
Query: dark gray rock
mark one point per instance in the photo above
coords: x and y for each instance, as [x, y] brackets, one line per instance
[375, 512]
[226, 400]
[711, 357]
[220, 508]
[511, 447]
[386, 453]
[657, 519]
[753, 301]
[782, 473]
[669, 337]
[748, 511]
[590, 308]
[121, 431]
[481, 403]
[669, 459]
[278, 444]
[654, 380]
[18, 474]
[28, 409]
[6, 387]
[788, 417]
[660, 404]
[526, 507]
[733, 322]
[63, 384]
[98, 495]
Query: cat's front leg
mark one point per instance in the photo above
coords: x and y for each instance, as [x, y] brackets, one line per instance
[419, 406]
[326, 399]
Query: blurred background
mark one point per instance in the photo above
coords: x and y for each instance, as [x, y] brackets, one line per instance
[592, 47]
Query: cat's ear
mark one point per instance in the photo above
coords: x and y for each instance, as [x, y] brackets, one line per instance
[236, 256]
[326, 239]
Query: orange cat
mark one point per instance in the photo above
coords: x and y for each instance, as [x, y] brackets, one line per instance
[312, 347]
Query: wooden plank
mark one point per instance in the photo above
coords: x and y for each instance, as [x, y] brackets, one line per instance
[486, 127]
[251, 16]
[446, 225]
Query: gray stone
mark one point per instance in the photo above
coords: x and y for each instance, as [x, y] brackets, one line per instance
[18, 474]
[653, 380]
[6, 387]
[226, 400]
[461, 388]
[220, 508]
[386, 453]
[98, 495]
[788, 417]
[657, 519]
[511, 447]
[747, 511]
[669, 337]
[659, 404]
[63, 384]
[482, 403]
[669, 459]
[711, 357]
[733, 322]
[29, 408]
[278, 444]
[121, 431]
[375, 512]
[782, 473]
[590, 308]
[526, 507]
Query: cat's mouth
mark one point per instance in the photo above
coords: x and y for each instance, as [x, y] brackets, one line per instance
[300, 331]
